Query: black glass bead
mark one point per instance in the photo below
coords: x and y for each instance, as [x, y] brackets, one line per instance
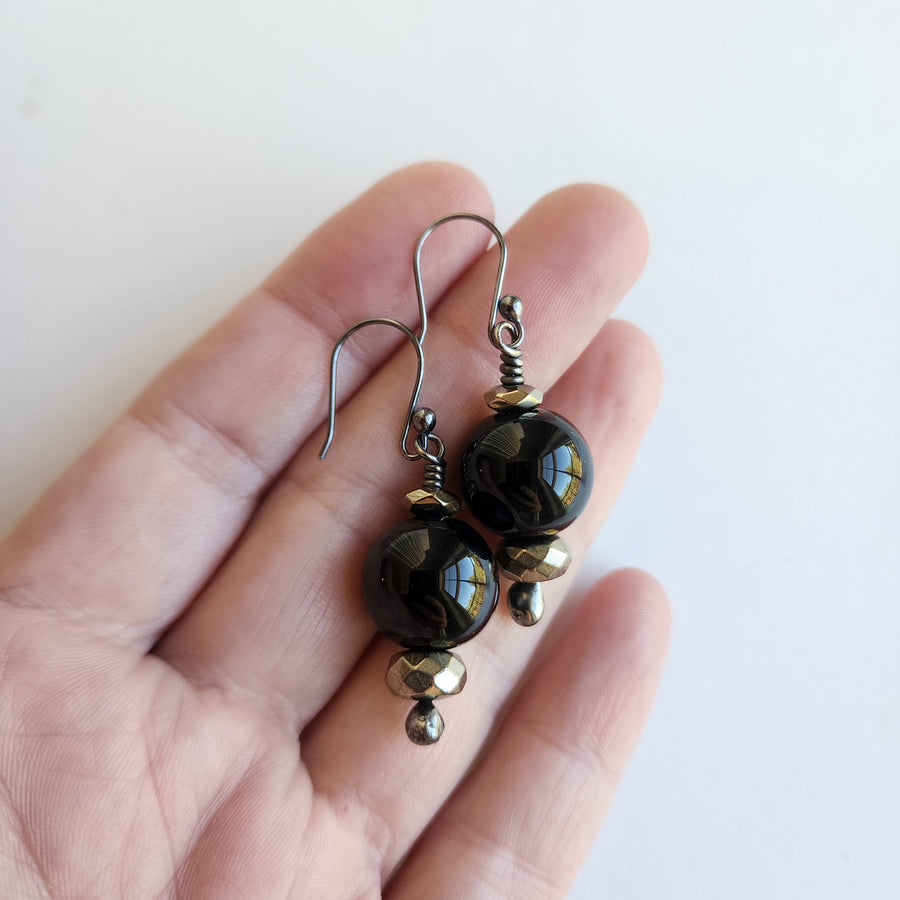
[430, 584]
[526, 472]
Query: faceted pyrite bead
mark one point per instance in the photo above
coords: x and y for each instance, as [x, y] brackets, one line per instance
[425, 674]
[527, 558]
[430, 583]
[425, 504]
[526, 472]
[504, 398]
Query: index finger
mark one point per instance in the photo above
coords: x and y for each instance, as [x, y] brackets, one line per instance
[126, 537]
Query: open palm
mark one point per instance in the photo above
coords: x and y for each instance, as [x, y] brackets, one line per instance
[185, 602]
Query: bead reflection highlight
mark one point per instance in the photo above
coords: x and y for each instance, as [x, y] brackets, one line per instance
[527, 472]
[430, 584]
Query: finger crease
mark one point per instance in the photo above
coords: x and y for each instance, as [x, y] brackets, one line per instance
[196, 456]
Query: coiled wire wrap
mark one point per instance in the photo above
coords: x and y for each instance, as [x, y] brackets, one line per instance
[435, 464]
[512, 366]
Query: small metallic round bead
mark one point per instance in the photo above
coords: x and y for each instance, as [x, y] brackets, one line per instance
[511, 308]
[526, 603]
[424, 420]
[533, 558]
[425, 674]
[424, 724]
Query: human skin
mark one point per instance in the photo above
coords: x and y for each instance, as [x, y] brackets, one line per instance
[185, 601]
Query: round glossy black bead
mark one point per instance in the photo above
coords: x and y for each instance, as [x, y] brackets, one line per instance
[526, 472]
[430, 584]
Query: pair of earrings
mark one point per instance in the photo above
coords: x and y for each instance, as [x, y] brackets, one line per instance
[431, 582]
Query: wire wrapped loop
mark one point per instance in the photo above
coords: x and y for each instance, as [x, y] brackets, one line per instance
[435, 464]
[512, 367]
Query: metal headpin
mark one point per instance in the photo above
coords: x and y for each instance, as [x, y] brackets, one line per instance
[493, 335]
[411, 412]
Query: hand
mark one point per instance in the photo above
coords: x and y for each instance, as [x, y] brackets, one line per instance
[185, 601]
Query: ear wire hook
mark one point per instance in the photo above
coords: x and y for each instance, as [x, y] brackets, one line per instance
[501, 270]
[414, 399]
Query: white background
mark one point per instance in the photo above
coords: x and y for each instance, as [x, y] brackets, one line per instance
[158, 158]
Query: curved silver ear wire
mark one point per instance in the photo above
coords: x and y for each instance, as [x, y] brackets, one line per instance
[501, 269]
[414, 399]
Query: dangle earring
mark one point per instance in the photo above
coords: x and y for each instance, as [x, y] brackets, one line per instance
[429, 582]
[526, 472]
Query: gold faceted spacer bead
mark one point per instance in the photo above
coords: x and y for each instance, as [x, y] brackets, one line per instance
[433, 504]
[534, 559]
[425, 674]
[523, 397]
